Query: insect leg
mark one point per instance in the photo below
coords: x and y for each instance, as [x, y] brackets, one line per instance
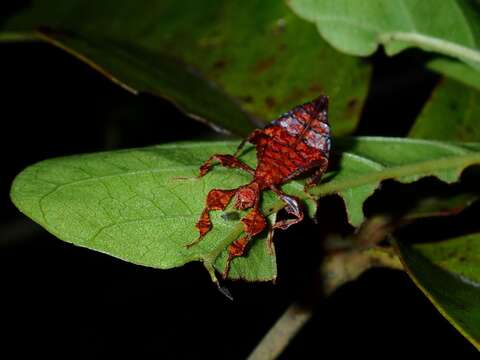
[251, 138]
[227, 161]
[253, 224]
[315, 179]
[292, 207]
[271, 231]
[216, 200]
[240, 147]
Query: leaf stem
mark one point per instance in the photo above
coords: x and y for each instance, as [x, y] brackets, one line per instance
[17, 37]
[434, 44]
[280, 334]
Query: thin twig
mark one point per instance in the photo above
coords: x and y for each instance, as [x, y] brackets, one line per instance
[280, 334]
[336, 270]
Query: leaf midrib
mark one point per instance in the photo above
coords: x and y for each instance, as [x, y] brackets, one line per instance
[413, 36]
[419, 168]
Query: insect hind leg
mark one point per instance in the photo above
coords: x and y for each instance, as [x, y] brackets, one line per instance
[292, 206]
[317, 176]
[225, 160]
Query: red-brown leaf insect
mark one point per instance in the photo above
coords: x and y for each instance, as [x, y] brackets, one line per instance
[296, 142]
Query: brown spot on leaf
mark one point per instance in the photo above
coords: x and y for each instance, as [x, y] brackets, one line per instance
[352, 107]
[279, 28]
[219, 64]
[453, 105]
[246, 99]
[263, 65]
[270, 101]
[316, 87]
[296, 95]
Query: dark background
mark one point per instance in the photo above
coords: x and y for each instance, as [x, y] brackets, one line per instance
[58, 299]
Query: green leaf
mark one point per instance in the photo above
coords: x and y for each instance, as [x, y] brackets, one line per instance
[455, 104]
[259, 53]
[141, 205]
[460, 255]
[448, 273]
[452, 113]
[137, 70]
[450, 27]
[456, 71]
[441, 205]
[365, 162]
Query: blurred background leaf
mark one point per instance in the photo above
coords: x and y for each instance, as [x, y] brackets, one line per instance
[139, 70]
[441, 206]
[452, 113]
[448, 273]
[456, 70]
[450, 27]
[286, 64]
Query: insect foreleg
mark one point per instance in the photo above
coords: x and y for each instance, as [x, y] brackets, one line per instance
[251, 138]
[227, 161]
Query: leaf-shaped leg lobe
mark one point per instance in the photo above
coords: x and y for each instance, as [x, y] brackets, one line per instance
[216, 200]
[253, 224]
